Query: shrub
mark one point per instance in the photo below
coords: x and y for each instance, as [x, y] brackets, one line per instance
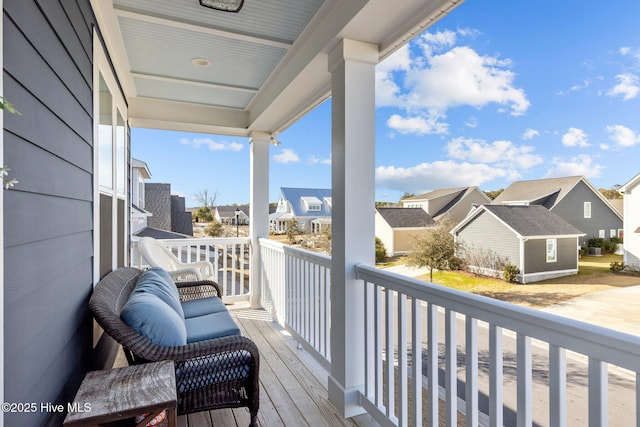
[617, 266]
[583, 251]
[381, 251]
[214, 229]
[484, 261]
[609, 247]
[595, 242]
[510, 273]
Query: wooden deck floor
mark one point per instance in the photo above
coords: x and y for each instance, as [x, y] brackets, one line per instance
[293, 387]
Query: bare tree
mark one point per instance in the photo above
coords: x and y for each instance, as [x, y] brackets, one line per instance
[205, 199]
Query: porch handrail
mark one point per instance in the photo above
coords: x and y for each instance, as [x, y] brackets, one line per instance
[230, 256]
[387, 298]
[296, 290]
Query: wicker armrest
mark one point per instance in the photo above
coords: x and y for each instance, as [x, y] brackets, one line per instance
[199, 289]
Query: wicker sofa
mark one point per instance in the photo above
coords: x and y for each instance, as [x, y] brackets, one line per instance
[211, 373]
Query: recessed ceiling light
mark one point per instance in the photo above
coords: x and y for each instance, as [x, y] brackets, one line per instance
[201, 62]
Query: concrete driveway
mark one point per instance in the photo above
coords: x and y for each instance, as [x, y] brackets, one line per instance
[617, 309]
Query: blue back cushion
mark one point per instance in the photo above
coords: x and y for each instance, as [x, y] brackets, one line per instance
[158, 282]
[154, 319]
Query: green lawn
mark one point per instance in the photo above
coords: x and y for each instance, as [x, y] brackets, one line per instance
[593, 275]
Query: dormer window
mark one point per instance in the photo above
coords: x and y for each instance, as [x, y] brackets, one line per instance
[312, 204]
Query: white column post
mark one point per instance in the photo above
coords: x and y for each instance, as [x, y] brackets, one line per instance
[259, 209]
[352, 67]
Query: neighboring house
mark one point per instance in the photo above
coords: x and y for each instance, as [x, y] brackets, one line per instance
[398, 227]
[631, 201]
[311, 208]
[227, 214]
[572, 198]
[140, 172]
[452, 203]
[540, 243]
[168, 211]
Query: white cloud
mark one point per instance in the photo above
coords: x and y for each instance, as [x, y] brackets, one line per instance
[445, 76]
[462, 77]
[628, 86]
[622, 135]
[211, 144]
[530, 134]
[417, 125]
[472, 122]
[313, 160]
[575, 138]
[579, 165]
[500, 153]
[439, 174]
[605, 147]
[286, 156]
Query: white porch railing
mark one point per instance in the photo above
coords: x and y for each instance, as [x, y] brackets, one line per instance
[416, 321]
[230, 256]
[295, 288]
[513, 365]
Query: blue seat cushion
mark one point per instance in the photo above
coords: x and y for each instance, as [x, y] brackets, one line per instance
[152, 318]
[202, 306]
[210, 326]
[158, 282]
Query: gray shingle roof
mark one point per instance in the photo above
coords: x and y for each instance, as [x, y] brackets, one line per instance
[533, 220]
[547, 192]
[406, 217]
[160, 234]
[438, 193]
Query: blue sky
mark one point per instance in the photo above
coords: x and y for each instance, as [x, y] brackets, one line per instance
[497, 91]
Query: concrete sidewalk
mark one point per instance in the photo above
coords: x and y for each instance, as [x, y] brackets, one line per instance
[617, 309]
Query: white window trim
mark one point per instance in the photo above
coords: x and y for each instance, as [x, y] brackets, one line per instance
[555, 250]
[613, 233]
[587, 209]
[601, 234]
[101, 67]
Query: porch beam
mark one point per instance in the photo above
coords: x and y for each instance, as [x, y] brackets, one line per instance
[352, 67]
[259, 208]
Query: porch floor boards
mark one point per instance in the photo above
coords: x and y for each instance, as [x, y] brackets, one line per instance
[293, 386]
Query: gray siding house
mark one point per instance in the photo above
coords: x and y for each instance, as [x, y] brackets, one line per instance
[451, 203]
[540, 243]
[572, 198]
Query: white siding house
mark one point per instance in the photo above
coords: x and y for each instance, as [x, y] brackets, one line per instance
[631, 227]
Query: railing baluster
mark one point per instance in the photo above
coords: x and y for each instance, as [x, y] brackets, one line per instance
[432, 362]
[471, 371]
[451, 360]
[597, 393]
[389, 344]
[638, 399]
[369, 341]
[495, 376]
[416, 360]
[378, 353]
[525, 381]
[402, 361]
[557, 386]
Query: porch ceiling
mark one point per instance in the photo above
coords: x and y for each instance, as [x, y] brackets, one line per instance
[268, 62]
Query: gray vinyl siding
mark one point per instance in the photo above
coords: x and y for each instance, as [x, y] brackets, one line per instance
[536, 256]
[462, 209]
[48, 229]
[486, 232]
[571, 209]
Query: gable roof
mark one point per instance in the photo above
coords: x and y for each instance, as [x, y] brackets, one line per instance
[437, 193]
[537, 190]
[526, 221]
[297, 197]
[406, 217]
[547, 192]
[630, 184]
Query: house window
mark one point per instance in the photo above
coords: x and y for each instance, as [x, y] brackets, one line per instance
[587, 209]
[111, 186]
[601, 234]
[612, 233]
[552, 250]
